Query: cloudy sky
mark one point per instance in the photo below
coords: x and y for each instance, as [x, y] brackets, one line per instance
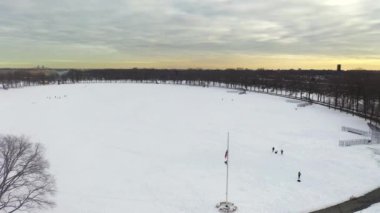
[190, 33]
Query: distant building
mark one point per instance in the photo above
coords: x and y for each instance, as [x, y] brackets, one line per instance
[339, 67]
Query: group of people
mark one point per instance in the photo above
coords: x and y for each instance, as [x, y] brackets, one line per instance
[56, 97]
[282, 152]
[275, 151]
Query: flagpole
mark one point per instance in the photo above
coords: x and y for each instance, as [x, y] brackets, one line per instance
[228, 159]
[226, 206]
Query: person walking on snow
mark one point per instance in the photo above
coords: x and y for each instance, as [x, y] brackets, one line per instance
[299, 177]
[282, 151]
[272, 149]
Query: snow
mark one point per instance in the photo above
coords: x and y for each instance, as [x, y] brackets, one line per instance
[160, 148]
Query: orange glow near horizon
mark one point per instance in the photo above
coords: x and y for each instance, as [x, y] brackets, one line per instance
[219, 62]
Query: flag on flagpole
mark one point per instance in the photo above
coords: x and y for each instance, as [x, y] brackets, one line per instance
[226, 157]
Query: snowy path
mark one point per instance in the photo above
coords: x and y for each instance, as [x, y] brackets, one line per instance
[372, 209]
[356, 204]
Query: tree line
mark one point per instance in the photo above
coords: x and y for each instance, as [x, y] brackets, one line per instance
[356, 92]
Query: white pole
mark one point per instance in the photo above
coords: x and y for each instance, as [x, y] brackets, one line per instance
[228, 163]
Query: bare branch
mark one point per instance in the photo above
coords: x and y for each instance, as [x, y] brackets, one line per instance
[24, 180]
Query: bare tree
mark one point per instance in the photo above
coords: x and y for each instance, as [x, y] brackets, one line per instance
[25, 183]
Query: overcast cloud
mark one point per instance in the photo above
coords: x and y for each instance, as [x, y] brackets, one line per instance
[136, 30]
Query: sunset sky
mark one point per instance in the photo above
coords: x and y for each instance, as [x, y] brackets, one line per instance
[190, 33]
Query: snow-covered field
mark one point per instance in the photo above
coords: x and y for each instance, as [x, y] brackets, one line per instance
[160, 148]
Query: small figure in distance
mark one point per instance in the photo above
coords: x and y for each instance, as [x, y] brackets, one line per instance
[299, 177]
[275, 152]
[272, 149]
[282, 152]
